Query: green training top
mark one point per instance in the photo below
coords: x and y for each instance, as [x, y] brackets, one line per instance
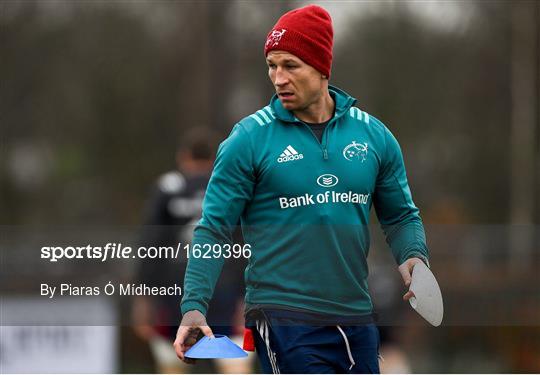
[304, 208]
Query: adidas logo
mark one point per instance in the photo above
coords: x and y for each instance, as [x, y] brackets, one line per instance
[289, 154]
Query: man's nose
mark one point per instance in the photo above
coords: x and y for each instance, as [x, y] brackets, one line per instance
[282, 78]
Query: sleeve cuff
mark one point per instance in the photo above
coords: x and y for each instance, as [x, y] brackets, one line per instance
[419, 256]
[192, 305]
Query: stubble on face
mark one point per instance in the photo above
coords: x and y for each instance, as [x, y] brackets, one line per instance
[298, 85]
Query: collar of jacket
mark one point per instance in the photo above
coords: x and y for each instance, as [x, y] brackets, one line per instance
[343, 102]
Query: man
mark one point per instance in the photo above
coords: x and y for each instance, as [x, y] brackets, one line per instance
[302, 175]
[174, 207]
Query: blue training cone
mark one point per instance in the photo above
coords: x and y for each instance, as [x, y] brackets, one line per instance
[218, 347]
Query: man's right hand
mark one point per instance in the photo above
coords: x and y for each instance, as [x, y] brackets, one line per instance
[192, 324]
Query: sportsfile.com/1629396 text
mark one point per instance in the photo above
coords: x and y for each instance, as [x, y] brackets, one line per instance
[113, 250]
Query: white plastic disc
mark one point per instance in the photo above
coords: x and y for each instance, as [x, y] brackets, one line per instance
[427, 300]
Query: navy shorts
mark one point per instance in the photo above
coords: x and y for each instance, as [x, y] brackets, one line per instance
[287, 343]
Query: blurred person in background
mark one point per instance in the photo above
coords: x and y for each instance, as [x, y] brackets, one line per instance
[315, 162]
[173, 208]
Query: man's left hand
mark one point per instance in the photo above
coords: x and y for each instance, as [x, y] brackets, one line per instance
[405, 269]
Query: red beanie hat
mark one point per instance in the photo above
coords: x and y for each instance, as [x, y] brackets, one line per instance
[306, 33]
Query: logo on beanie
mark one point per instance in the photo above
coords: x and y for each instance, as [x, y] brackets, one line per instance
[274, 38]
